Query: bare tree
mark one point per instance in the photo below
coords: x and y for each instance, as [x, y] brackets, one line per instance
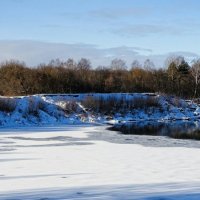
[177, 70]
[56, 63]
[176, 60]
[84, 64]
[70, 64]
[195, 72]
[148, 64]
[135, 64]
[118, 64]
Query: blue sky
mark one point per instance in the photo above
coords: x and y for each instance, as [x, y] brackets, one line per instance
[130, 29]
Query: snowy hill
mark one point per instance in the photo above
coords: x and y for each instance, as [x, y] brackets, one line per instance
[93, 108]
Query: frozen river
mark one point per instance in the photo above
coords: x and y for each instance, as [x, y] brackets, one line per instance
[90, 162]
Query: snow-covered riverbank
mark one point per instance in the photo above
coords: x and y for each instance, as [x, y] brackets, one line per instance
[93, 108]
[77, 162]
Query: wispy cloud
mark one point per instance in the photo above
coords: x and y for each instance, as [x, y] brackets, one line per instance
[35, 52]
[106, 13]
[117, 13]
[152, 29]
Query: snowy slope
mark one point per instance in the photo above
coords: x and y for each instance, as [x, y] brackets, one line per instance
[70, 109]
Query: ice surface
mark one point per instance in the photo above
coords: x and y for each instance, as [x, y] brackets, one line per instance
[89, 162]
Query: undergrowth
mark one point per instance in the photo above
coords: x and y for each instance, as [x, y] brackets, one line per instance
[7, 104]
[113, 104]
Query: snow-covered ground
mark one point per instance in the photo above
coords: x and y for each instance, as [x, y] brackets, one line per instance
[70, 109]
[90, 162]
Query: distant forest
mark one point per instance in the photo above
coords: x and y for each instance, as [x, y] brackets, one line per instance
[176, 78]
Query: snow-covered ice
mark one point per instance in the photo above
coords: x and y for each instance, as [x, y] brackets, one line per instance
[74, 162]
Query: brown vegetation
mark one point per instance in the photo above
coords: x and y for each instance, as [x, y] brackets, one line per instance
[178, 78]
[7, 104]
[115, 104]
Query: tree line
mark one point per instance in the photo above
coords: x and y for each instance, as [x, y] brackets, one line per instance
[178, 77]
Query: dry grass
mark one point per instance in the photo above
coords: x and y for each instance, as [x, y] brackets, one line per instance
[7, 104]
[34, 106]
[70, 106]
[144, 103]
[114, 104]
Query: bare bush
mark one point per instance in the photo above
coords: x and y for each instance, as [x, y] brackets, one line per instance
[91, 103]
[102, 105]
[34, 106]
[69, 106]
[174, 101]
[177, 102]
[114, 104]
[7, 104]
[144, 103]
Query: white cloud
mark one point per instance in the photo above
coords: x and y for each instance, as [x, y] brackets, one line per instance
[35, 52]
[115, 14]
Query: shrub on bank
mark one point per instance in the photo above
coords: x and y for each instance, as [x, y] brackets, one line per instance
[114, 104]
[7, 104]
